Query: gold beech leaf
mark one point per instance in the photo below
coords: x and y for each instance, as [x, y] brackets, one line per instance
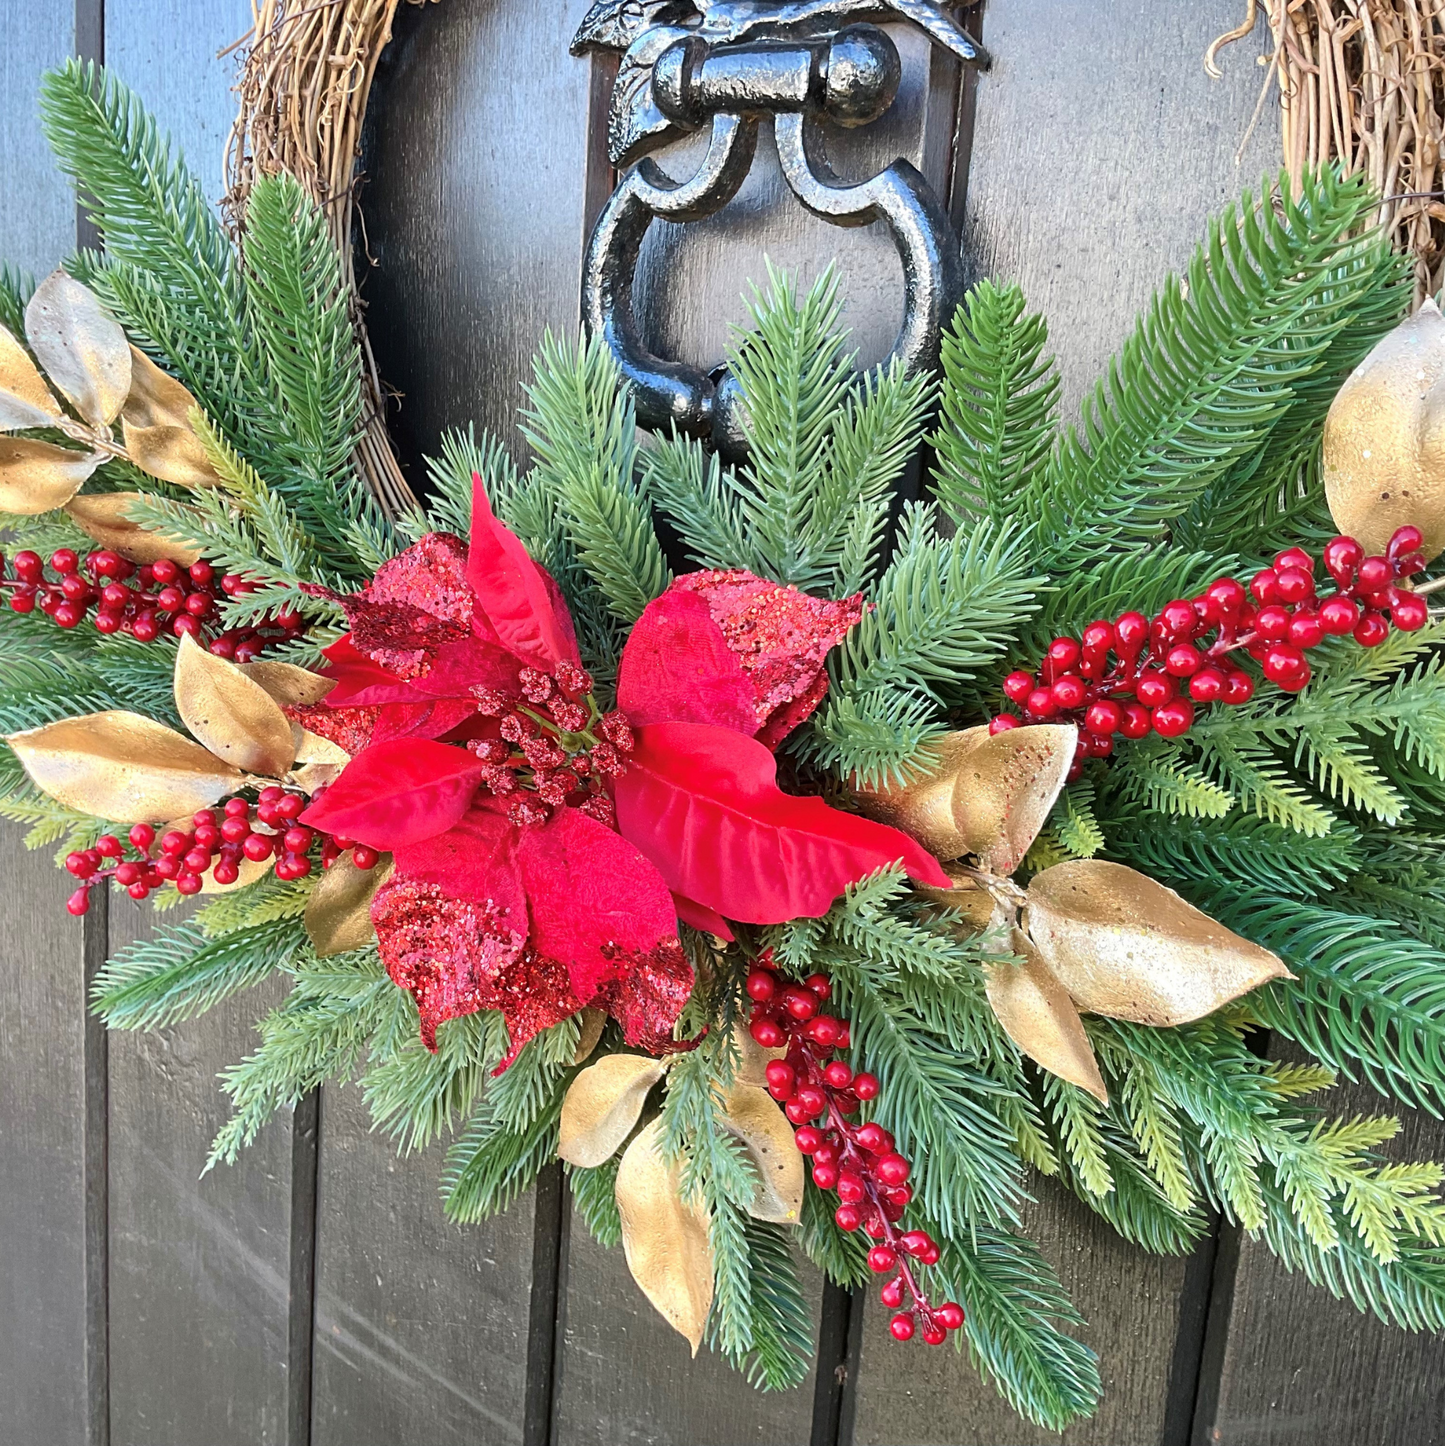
[83, 350]
[973, 905]
[37, 477]
[156, 425]
[236, 718]
[25, 400]
[923, 809]
[313, 777]
[593, 1022]
[101, 517]
[1038, 1015]
[603, 1106]
[754, 1117]
[338, 913]
[665, 1238]
[1127, 947]
[1384, 438]
[1006, 788]
[312, 748]
[123, 767]
[290, 686]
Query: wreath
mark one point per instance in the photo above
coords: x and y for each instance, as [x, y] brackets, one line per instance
[807, 879]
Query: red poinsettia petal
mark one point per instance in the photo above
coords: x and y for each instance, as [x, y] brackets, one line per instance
[431, 576]
[780, 638]
[432, 718]
[360, 682]
[677, 668]
[649, 996]
[399, 793]
[521, 602]
[703, 804]
[701, 917]
[596, 904]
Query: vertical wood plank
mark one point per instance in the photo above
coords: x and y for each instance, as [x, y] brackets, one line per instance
[42, 1181]
[474, 211]
[1132, 1302]
[199, 1268]
[421, 1327]
[628, 1379]
[1100, 149]
[44, 1319]
[1295, 1366]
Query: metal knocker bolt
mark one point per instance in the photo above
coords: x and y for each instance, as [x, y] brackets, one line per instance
[746, 61]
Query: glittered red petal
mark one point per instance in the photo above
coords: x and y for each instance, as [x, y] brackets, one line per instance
[648, 996]
[704, 805]
[677, 668]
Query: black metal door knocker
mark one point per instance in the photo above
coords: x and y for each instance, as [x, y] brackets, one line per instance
[728, 64]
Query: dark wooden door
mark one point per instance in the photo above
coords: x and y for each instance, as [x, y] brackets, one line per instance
[314, 1292]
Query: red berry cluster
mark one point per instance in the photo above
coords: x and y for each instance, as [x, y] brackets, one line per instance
[860, 1162]
[146, 602]
[214, 843]
[1181, 659]
[553, 747]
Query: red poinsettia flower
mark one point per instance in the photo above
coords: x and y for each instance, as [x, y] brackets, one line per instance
[545, 851]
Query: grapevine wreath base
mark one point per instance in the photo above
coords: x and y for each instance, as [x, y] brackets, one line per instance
[809, 881]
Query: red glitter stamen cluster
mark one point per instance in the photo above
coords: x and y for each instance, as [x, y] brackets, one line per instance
[215, 843]
[145, 602]
[860, 1162]
[555, 748]
[1167, 667]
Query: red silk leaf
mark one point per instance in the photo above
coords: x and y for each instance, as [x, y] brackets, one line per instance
[396, 794]
[522, 604]
[595, 902]
[677, 668]
[704, 805]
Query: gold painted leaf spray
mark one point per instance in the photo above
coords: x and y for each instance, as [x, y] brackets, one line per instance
[82, 348]
[234, 716]
[101, 517]
[156, 425]
[38, 477]
[25, 400]
[338, 913]
[603, 1106]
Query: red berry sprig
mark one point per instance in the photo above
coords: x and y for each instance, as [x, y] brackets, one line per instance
[163, 597]
[1132, 677]
[555, 747]
[859, 1162]
[215, 844]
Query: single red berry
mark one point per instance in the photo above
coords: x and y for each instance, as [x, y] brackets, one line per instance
[201, 573]
[874, 1228]
[1183, 661]
[892, 1294]
[1155, 689]
[882, 1259]
[893, 1169]
[1138, 721]
[824, 1030]
[1104, 717]
[1264, 586]
[1018, 686]
[762, 984]
[297, 840]
[802, 1004]
[1131, 632]
[850, 1187]
[29, 567]
[1041, 703]
[108, 846]
[79, 902]
[1094, 745]
[22, 600]
[298, 864]
[189, 884]
[865, 1086]
[1207, 685]
[1406, 539]
[1002, 724]
[145, 629]
[811, 1100]
[848, 1217]
[808, 1139]
[63, 560]
[1069, 692]
[1272, 622]
[769, 1034]
[69, 615]
[128, 873]
[825, 1177]
[139, 890]
[1295, 585]
[838, 1074]
[237, 807]
[1342, 557]
[108, 623]
[1098, 638]
[1408, 612]
[1063, 655]
[820, 984]
[1238, 688]
[934, 1335]
[1295, 558]
[1375, 573]
[1286, 667]
[1306, 630]
[1178, 618]
[75, 588]
[197, 860]
[826, 1153]
[1339, 615]
[257, 846]
[365, 858]
[915, 1242]
[1227, 595]
[225, 872]
[902, 1327]
[872, 1136]
[1174, 719]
